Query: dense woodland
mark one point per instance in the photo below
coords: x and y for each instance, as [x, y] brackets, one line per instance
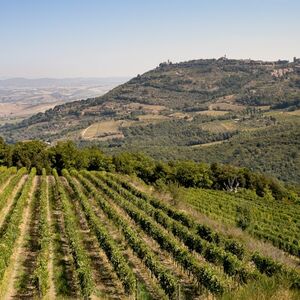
[66, 155]
[273, 150]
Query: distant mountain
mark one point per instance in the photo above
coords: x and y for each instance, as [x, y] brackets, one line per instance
[57, 82]
[189, 110]
[22, 97]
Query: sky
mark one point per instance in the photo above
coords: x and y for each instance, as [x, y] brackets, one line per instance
[97, 38]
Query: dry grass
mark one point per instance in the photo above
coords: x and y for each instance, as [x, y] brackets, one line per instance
[179, 115]
[213, 112]
[294, 113]
[105, 129]
[264, 107]
[152, 118]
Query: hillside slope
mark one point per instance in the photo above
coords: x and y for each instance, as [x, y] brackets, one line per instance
[90, 234]
[188, 110]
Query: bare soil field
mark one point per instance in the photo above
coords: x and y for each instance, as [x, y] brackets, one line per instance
[213, 112]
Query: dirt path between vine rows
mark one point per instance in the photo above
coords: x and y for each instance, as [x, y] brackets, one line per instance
[107, 284]
[51, 292]
[65, 282]
[19, 246]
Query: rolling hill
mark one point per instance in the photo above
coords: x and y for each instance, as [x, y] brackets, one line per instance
[241, 112]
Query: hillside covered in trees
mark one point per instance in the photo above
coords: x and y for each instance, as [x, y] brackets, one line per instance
[241, 112]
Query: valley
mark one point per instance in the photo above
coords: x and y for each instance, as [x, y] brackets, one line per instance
[21, 98]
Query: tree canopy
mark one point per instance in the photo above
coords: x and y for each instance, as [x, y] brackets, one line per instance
[66, 155]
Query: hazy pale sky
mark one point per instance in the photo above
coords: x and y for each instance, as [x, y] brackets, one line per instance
[87, 38]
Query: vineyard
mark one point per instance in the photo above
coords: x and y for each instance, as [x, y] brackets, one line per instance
[94, 235]
[270, 220]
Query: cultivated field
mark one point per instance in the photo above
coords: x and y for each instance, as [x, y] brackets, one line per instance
[94, 235]
[103, 130]
[220, 126]
[112, 129]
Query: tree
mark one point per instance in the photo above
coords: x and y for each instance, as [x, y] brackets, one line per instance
[135, 163]
[244, 217]
[227, 177]
[3, 149]
[30, 154]
[191, 174]
[65, 155]
[97, 160]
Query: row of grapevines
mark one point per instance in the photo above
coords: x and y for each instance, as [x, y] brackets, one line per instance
[6, 174]
[41, 271]
[3, 169]
[264, 264]
[210, 205]
[10, 187]
[175, 214]
[211, 252]
[203, 231]
[273, 214]
[164, 277]
[279, 211]
[80, 256]
[284, 235]
[203, 272]
[270, 267]
[278, 242]
[111, 249]
[12, 230]
[7, 216]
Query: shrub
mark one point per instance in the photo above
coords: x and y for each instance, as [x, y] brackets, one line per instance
[243, 219]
